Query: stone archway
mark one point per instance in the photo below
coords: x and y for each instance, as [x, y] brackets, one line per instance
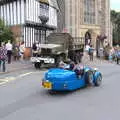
[90, 38]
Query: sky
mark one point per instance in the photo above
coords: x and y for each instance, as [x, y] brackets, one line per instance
[115, 4]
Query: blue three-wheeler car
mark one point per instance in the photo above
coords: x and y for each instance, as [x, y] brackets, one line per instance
[58, 79]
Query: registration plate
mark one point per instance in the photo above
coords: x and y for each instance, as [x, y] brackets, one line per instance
[47, 85]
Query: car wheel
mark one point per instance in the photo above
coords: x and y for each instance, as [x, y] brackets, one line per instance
[90, 78]
[98, 81]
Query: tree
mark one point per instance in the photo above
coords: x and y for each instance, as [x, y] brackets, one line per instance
[5, 32]
[115, 19]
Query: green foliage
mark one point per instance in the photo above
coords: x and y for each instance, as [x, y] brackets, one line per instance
[115, 18]
[5, 32]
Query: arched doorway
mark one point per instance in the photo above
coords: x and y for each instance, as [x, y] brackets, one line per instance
[88, 38]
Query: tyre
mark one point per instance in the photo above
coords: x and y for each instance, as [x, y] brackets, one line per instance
[98, 81]
[37, 65]
[89, 78]
[57, 60]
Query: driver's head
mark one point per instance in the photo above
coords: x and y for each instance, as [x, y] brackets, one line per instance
[72, 65]
[61, 64]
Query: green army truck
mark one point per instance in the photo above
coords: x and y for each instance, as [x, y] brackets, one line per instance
[70, 47]
[59, 46]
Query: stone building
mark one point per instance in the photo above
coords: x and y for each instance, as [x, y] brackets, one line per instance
[30, 20]
[61, 15]
[86, 19]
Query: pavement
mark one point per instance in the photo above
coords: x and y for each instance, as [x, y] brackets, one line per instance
[96, 61]
[17, 65]
[26, 64]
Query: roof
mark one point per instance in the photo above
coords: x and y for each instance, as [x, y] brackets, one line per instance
[53, 3]
[49, 46]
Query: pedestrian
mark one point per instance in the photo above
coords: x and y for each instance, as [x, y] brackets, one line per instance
[16, 52]
[22, 50]
[91, 52]
[111, 54]
[101, 53]
[34, 50]
[118, 56]
[3, 57]
[9, 48]
[78, 57]
[87, 49]
[110, 57]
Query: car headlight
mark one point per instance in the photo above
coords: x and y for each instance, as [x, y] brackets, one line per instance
[95, 69]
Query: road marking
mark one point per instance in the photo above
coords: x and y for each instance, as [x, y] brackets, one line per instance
[9, 79]
[2, 82]
[25, 74]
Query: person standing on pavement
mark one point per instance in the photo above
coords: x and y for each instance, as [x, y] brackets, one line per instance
[87, 47]
[16, 52]
[34, 50]
[111, 54]
[22, 50]
[91, 51]
[3, 57]
[9, 48]
[101, 53]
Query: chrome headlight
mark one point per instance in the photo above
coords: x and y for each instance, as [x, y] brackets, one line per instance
[95, 69]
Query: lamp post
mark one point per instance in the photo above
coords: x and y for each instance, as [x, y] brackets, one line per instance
[44, 15]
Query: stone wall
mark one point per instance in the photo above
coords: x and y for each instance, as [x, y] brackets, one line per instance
[73, 14]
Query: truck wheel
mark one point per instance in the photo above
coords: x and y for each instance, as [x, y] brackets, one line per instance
[37, 65]
[98, 81]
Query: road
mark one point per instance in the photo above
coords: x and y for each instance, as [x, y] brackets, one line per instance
[23, 98]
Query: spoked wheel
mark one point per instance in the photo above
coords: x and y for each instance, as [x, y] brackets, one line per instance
[90, 78]
[98, 81]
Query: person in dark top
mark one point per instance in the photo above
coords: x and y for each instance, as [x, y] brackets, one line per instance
[34, 49]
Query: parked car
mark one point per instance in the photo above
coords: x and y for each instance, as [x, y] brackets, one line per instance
[58, 79]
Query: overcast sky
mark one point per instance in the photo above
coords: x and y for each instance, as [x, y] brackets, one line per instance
[115, 4]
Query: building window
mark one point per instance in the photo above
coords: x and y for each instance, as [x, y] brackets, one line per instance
[89, 11]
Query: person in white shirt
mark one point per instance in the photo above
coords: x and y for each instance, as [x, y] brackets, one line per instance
[9, 48]
[22, 50]
[87, 47]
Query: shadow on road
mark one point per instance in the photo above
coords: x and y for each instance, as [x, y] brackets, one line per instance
[64, 93]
